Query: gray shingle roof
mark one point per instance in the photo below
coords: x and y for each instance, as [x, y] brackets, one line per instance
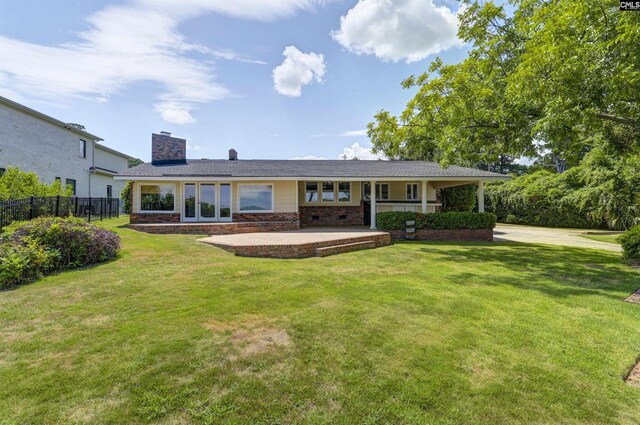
[306, 168]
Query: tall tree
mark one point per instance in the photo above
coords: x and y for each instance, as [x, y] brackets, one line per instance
[551, 78]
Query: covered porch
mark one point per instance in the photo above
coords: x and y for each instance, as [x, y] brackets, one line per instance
[421, 204]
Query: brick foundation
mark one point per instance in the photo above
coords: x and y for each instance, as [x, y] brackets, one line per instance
[149, 218]
[266, 217]
[477, 235]
[335, 215]
[215, 228]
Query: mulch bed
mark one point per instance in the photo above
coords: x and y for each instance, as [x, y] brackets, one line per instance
[634, 298]
[633, 378]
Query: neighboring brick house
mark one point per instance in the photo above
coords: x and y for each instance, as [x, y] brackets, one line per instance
[33, 141]
[173, 189]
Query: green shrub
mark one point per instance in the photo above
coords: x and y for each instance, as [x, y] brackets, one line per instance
[16, 184]
[77, 243]
[511, 219]
[396, 220]
[24, 262]
[125, 196]
[459, 198]
[630, 242]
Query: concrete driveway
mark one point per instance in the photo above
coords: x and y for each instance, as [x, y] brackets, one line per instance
[551, 236]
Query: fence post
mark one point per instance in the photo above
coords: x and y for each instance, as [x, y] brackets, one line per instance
[101, 207]
[75, 206]
[31, 208]
[57, 214]
[109, 205]
[90, 209]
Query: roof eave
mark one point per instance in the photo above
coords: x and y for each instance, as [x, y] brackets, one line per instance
[40, 115]
[328, 178]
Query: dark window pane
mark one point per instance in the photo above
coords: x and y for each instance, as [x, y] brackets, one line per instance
[256, 197]
[327, 192]
[156, 198]
[344, 192]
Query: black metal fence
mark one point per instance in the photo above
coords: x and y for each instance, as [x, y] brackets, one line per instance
[58, 206]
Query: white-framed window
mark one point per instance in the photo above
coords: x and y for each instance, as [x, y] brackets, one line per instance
[344, 191]
[82, 148]
[311, 191]
[255, 197]
[412, 191]
[157, 198]
[328, 192]
[382, 191]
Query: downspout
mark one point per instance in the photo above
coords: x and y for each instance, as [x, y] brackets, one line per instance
[93, 164]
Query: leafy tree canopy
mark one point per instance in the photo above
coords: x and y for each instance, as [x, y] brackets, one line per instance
[16, 184]
[552, 78]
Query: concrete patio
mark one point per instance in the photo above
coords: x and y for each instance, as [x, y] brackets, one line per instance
[308, 242]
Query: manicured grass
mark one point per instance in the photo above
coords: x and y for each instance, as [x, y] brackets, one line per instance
[175, 331]
[610, 238]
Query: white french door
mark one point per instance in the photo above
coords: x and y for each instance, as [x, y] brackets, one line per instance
[206, 202]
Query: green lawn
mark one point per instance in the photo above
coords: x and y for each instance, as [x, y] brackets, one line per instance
[175, 331]
[610, 238]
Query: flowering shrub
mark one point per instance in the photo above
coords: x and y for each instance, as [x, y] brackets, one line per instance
[49, 244]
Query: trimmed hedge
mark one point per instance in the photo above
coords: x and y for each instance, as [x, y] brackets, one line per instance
[395, 220]
[46, 245]
[630, 242]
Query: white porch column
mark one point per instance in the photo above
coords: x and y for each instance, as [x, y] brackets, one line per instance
[373, 205]
[481, 196]
[424, 197]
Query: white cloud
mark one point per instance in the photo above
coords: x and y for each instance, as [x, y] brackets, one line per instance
[354, 133]
[394, 30]
[175, 112]
[192, 147]
[137, 41]
[298, 69]
[360, 152]
[351, 133]
[309, 157]
[233, 56]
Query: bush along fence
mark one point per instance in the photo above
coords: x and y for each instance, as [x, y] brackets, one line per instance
[58, 206]
[447, 226]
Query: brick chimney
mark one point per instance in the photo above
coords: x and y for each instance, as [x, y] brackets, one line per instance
[167, 150]
[233, 155]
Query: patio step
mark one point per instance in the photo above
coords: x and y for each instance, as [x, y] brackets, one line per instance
[347, 247]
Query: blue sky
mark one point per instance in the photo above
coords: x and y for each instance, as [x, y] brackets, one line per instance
[270, 78]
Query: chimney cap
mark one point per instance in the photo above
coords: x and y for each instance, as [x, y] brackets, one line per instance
[165, 133]
[233, 155]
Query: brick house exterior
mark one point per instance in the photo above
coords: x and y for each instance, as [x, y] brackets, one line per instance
[277, 194]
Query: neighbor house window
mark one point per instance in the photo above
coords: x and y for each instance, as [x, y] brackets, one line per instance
[255, 197]
[344, 192]
[412, 191]
[71, 183]
[382, 191]
[311, 192]
[157, 197]
[328, 194]
[82, 148]
[109, 191]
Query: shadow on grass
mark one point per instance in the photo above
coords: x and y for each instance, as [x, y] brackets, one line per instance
[554, 270]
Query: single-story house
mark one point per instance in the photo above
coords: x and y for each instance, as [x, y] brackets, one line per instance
[284, 194]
